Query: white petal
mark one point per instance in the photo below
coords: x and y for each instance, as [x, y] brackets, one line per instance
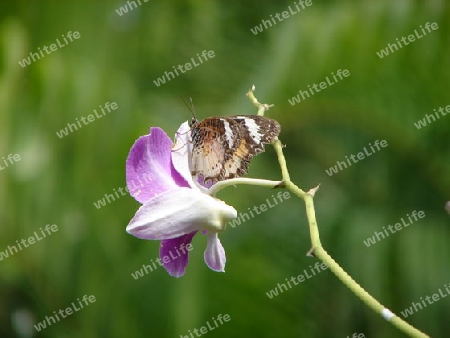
[181, 153]
[178, 212]
[215, 253]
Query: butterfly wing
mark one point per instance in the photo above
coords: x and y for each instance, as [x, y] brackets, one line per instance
[224, 146]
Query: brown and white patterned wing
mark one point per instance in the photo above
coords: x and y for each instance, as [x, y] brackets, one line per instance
[224, 146]
[210, 142]
[257, 130]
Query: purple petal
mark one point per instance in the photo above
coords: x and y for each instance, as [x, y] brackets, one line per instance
[149, 169]
[174, 254]
[215, 253]
[178, 212]
[181, 153]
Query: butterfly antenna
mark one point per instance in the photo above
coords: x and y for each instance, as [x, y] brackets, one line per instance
[193, 109]
[190, 106]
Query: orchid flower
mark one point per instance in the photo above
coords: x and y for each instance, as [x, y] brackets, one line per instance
[174, 207]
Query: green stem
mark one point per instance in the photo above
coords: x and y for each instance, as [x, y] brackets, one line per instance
[249, 181]
[318, 251]
[262, 107]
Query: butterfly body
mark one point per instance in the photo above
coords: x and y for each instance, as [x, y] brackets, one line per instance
[223, 146]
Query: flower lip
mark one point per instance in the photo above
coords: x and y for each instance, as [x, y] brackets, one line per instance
[178, 212]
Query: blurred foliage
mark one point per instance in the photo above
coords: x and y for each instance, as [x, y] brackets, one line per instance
[117, 58]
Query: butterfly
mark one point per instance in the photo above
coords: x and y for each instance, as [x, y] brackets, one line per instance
[223, 146]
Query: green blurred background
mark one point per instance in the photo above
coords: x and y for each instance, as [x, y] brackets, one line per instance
[117, 58]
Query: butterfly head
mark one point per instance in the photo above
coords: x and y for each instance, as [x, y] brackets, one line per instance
[190, 105]
[193, 122]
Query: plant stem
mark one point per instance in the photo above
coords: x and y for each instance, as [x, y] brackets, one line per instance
[262, 107]
[242, 180]
[318, 251]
